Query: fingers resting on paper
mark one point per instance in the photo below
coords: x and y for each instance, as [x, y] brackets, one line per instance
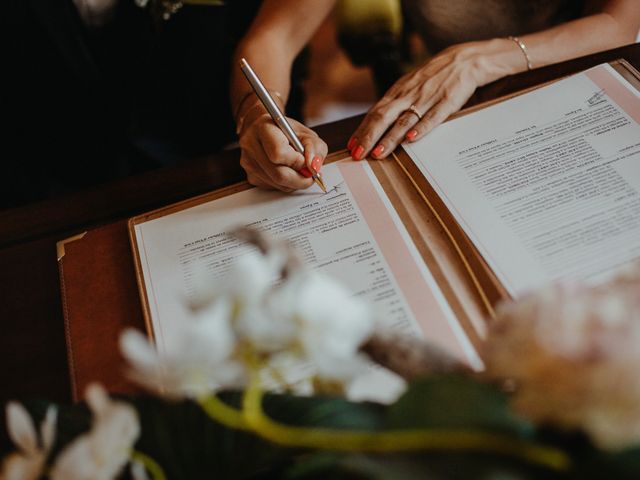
[420, 101]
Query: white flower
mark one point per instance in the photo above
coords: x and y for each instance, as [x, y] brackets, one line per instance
[573, 352]
[330, 323]
[28, 462]
[196, 359]
[250, 276]
[138, 471]
[267, 308]
[101, 453]
[251, 283]
[247, 287]
[308, 317]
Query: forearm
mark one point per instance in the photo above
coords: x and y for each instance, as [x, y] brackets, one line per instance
[280, 31]
[609, 28]
[594, 33]
[427, 96]
[271, 61]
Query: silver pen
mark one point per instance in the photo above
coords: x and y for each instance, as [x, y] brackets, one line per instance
[277, 116]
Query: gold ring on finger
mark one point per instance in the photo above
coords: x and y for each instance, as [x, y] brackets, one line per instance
[413, 109]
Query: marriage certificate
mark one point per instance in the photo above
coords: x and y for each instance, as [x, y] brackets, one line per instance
[546, 184]
[351, 233]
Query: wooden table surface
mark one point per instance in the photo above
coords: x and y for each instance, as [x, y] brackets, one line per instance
[32, 344]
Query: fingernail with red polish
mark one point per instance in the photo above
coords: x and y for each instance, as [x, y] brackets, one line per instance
[357, 153]
[304, 171]
[352, 143]
[412, 134]
[378, 150]
[316, 163]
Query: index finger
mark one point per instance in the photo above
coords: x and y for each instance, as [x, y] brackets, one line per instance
[375, 124]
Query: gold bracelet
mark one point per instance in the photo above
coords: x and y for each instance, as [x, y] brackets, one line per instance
[240, 121]
[523, 48]
[244, 98]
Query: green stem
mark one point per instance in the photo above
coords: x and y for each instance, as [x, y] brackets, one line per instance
[222, 413]
[150, 464]
[393, 441]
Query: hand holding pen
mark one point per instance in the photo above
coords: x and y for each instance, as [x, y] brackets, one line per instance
[276, 152]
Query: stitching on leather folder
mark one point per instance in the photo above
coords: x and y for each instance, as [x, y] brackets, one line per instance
[67, 331]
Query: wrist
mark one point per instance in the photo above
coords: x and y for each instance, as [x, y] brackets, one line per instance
[501, 57]
[247, 97]
[248, 115]
[523, 48]
[250, 107]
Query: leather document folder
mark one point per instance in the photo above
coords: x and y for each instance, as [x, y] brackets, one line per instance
[103, 288]
[99, 298]
[101, 295]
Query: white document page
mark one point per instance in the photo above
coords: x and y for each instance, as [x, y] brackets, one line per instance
[547, 184]
[351, 233]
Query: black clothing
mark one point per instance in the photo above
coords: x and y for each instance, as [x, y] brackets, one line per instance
[82, 106]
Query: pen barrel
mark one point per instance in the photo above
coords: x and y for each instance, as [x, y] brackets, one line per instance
[271, 106]
[289, 133]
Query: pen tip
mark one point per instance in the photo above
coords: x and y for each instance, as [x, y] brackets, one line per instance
[320, 183]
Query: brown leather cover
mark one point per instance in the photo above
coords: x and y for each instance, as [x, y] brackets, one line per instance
[99, 299]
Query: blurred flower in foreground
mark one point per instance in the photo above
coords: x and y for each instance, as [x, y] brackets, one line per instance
[573, 353]
[101, 453]
[268, 308]
[196, 360]
[28, 462]
[329, 324]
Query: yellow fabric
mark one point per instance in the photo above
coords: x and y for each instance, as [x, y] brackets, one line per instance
[363, 17]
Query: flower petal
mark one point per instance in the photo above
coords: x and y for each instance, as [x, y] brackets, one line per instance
[48, 428]
[138, 350]
[75, 462]
[20, 467]
[97, 398]
[138, 472]
[21, 428]
[102, 452]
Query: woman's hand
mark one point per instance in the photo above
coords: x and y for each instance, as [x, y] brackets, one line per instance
[268, 158]
[437, 89]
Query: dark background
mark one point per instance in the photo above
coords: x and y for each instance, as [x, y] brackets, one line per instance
[82, 106]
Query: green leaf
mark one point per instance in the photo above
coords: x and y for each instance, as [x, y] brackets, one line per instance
[319, 465]
[325, 411]
[440, 466]
[628, 461]
[593, 464]
[455, 401]
[188, 444]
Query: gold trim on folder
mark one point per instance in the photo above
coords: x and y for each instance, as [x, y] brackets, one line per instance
[61, 244]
